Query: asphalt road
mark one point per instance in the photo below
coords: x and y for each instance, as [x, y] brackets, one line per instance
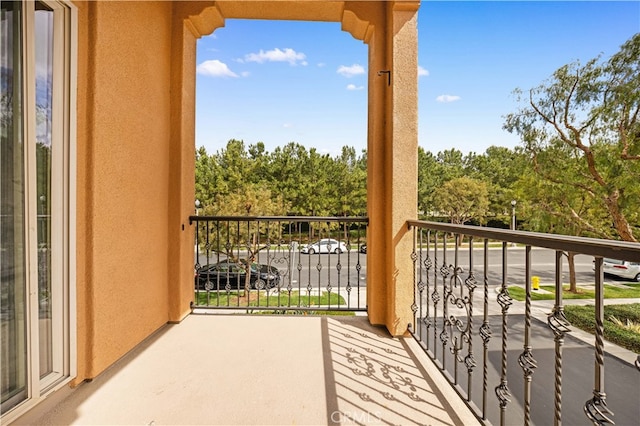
[323, 268]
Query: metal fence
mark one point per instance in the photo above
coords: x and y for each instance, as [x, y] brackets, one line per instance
[466, 320]
[280, 264]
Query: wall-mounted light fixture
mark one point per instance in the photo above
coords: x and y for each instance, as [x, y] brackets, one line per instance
[388, 73]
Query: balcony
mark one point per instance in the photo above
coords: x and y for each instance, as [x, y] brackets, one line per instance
[237, 369]
[473, 353]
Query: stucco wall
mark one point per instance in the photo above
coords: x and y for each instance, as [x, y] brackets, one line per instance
[123, 177]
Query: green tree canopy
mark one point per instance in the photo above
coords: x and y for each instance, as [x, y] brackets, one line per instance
[463, 199]
[581, 131]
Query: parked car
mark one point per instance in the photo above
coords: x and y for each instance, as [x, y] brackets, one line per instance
[622, 269]
[325, 245]
[363, 249]
[217, 275]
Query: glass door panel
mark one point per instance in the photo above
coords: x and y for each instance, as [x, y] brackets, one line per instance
[44, 115]
[13, 295]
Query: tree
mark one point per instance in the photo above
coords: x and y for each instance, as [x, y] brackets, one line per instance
[463, 199]
[581, 131]
[428, 180]
[500, 168]
[433, 172]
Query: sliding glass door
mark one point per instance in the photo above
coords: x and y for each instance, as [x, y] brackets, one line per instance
[35, 199]
[13, 294]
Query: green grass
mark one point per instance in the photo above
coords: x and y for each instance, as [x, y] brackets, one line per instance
[610, 292]
[305, 312]
[583, 318]
[235, 298]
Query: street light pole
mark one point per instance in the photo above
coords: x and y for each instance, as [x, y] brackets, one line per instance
[513, 218]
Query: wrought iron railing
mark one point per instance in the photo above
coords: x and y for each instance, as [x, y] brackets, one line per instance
[462, 320]
[280, 264]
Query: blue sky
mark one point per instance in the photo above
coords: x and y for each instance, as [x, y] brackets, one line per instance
[284, 81]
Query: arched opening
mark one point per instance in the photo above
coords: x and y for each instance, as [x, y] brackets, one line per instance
[389, 31]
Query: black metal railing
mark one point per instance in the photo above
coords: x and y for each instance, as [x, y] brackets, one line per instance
[280, 264]
[465, 317]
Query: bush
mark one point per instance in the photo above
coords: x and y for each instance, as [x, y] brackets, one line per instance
[583, 318]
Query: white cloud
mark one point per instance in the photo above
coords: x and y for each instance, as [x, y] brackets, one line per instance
[422, 72]
[287, 125]
[321, 64]
[348, 72]
[448, 98]
[215, 68]
[245, 73]
[354, 87]
[277, 55]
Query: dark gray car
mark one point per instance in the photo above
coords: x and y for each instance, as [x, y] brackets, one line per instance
[229, 275]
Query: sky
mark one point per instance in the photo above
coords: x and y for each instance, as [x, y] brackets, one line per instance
[306, 82]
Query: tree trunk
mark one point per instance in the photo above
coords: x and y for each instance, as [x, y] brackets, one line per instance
[619, 220]
[573, 287]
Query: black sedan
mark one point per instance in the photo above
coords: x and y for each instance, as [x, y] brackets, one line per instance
[229, 275]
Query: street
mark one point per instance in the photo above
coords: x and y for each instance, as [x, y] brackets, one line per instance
[320, 269]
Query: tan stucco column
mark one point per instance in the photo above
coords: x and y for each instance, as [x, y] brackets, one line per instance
[191, 20]
[392, 169]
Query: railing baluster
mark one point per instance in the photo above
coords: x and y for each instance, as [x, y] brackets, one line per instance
[559, 325]
[435, 296]
[414, 257]
[485, 328]
[456, 344]
[420, 284]
[526, 360]
[444, 272]
[428, 265]
[596, 408]
[470, 283]
[504, 300]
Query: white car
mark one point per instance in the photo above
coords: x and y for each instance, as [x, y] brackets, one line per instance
[622, 269]
[325, 245]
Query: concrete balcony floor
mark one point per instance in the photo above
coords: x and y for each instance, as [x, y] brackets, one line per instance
[264, 370]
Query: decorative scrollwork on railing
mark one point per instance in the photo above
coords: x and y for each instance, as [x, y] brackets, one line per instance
[414, 308]
[503, 394]
[485, 333]
[428, 264]
[504, 300]
[444, 336]
[527, 362]
[470, 362]
[435, 297]
[596, 410]
[445, 271]
[471, 282]
[558, 322]
[426, 320]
